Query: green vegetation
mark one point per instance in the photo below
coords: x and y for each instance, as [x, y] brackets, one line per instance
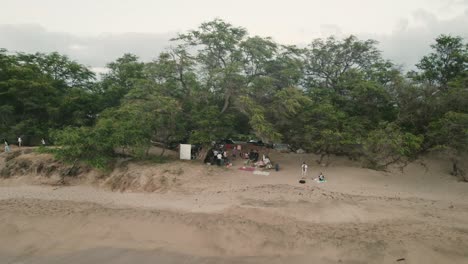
[332, 97]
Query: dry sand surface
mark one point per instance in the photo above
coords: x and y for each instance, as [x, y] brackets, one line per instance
[186, 212]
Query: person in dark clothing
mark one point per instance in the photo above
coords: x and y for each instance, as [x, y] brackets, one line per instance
[256, 155]
[210, 158]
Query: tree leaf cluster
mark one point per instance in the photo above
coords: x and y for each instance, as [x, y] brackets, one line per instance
[334, 96]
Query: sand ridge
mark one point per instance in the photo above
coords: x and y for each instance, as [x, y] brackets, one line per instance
[217, 215]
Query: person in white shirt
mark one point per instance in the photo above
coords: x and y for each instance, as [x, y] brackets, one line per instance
[20, 141]
[7, 147]
[304, 169]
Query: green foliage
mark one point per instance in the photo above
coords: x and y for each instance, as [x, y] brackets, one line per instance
[326, 61]
[388, 145]
[327, 130]
[449, 134]
[122, 75]
[84, 144]
[262, 128]
[209, 125]
[143, 116]
[450, 131]
[337, 96]
[366, 99]
[448, 62]
[220, 57]
[126, 127]
[40, 92]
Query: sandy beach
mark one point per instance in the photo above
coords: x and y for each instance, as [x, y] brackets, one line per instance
[205, 214]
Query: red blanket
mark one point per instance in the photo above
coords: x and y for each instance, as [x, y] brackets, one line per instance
[247, 168]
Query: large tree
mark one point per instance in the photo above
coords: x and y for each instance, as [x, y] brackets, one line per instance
[121, 77]
[219, 55]
[40, 92]
[447, 62]
[336, 96]
[327, 61]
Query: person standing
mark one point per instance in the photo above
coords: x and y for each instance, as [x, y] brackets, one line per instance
[220, 159]
[7, 147]
[304, 169]
[20, 142]
[225, 157]
[234, 153]
[43, 142]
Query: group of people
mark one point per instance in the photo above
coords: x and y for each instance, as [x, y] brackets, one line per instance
[218, 157]
[20, 144]
[304, 167]
[7, 146]
[253, 155]
[221, 157]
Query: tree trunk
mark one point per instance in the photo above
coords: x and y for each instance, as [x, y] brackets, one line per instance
[454, 168]
[457, 171]
[203, 153]
[226, 102]
[147, 151]
[322, 155]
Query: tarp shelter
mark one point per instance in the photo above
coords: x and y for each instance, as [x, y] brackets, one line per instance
[185, 151]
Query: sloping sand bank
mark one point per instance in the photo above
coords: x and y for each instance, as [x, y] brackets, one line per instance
[217, 215]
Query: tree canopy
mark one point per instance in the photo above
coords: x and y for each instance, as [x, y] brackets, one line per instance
[335, 96]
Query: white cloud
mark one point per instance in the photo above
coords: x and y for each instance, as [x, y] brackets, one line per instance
[409, 40]
[77, 47]
[330, 29]
[95, 51]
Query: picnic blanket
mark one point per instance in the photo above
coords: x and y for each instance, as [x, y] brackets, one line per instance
[247, 168]
[317, 180]
[266, 173]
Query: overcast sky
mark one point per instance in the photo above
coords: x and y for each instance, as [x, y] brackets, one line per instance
[95, 32]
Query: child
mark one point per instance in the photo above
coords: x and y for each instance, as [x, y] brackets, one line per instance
[321, 178]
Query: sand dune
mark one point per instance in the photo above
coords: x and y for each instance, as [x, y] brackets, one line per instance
[215, 215]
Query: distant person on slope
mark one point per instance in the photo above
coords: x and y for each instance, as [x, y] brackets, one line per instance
[20, 142]
[7, 147]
